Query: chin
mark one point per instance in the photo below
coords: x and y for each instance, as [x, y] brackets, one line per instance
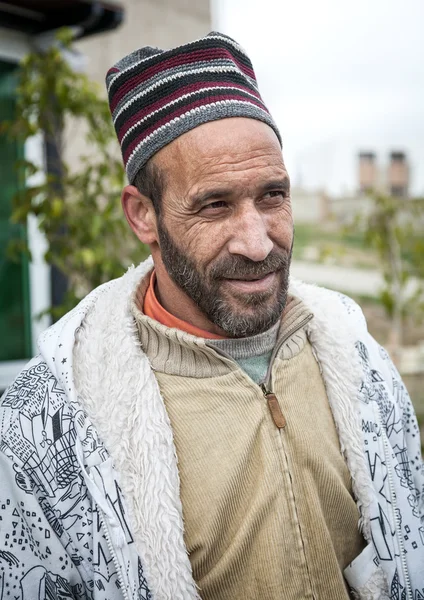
[249, 303]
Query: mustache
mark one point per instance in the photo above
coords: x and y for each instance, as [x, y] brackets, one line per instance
[239, 267]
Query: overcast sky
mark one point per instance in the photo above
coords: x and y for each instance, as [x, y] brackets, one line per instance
[338, 77]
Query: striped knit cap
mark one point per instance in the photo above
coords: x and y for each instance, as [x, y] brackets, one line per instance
[157, 95]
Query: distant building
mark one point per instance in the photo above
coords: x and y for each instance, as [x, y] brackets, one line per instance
[398, 175]
[310, 206]
[315, 206]
[393, 180]
[368, 174]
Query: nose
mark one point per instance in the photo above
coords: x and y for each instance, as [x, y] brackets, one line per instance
[250, 235]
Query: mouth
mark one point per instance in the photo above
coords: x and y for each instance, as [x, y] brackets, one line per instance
[251, 285]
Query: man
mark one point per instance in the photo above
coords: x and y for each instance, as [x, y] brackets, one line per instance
[299, 472]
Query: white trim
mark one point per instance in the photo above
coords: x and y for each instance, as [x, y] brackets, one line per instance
[13, 45]
[129, 427]
[215, 14]
[9, 369]
[39, 273]
[39, 270]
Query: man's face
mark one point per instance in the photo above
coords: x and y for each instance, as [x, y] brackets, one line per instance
[225, 230]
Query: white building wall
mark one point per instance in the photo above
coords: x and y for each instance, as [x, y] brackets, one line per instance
[160, 23]
[308, 206]
[13, 45]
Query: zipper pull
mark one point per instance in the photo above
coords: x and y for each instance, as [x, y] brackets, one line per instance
[274, 408]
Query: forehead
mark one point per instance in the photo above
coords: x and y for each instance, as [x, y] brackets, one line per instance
[233, 149]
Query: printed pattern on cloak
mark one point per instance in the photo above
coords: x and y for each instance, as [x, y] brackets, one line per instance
[63, 547]
[42, 420]
[396, 418]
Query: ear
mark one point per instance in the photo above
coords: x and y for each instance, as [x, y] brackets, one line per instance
[140, 214]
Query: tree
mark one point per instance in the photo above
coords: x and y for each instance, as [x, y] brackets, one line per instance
[393, 228]
[78, 211]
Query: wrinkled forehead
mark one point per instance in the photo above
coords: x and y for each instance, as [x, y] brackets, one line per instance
[220, 150]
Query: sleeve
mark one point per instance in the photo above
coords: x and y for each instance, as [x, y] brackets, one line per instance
[33, 562]
[412, 434]
[35, 557]
[400, 421]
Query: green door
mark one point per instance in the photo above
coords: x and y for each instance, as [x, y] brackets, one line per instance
[15, 317]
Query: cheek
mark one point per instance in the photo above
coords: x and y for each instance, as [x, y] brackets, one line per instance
[202, 241]
[205, 241]
[280, 228]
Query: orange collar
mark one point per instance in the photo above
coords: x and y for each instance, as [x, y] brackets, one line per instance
[154, 310]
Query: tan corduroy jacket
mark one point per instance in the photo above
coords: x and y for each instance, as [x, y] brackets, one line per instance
[266, 494]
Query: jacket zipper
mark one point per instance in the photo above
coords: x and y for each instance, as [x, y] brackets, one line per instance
[396, 515]
[274, 408]
[266, 387]
[113, 555]
[272, 400]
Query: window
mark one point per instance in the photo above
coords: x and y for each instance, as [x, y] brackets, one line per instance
[15, 316]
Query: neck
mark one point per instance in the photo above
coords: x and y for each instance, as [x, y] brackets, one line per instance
[179, 304]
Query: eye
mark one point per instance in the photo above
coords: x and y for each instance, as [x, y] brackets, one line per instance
[217, 205]
[275, 197]
[276, 194]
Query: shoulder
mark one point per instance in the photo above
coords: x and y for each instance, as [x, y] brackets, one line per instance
[38, 440]
[330, 308]
[34, 411]
[29, 389]
[339, 321]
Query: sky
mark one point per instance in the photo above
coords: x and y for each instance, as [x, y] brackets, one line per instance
[338, 77]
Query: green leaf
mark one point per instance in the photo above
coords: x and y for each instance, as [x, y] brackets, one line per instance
[78, 210]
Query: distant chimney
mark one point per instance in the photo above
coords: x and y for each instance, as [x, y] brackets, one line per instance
[398, 175]
[367, 171]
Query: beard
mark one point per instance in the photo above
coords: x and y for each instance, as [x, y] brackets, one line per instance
[238, 314]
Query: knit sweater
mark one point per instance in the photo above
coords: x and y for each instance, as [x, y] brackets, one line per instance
[268, 512]
[252, 354]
